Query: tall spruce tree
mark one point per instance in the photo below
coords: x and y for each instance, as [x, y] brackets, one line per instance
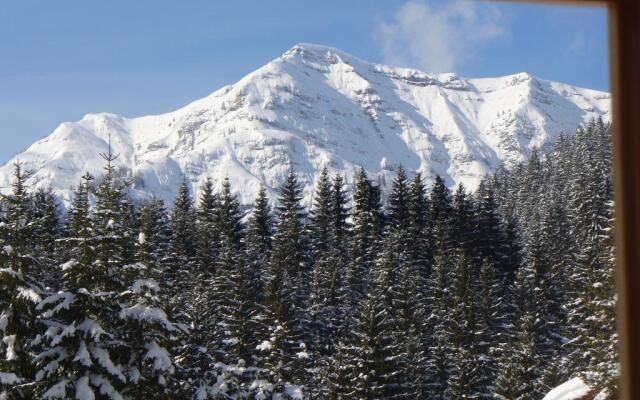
[368, 221]
[258, 244]
[19, 289]
[79, 352]
[283, 349]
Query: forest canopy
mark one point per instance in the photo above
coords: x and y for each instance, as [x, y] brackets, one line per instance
[421, 292]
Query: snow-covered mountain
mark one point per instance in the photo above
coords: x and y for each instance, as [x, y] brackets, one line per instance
[317, 106]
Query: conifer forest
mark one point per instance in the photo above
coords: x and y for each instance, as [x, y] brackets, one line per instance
[417, 291]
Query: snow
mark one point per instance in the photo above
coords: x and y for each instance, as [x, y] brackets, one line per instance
[264, 346]
[231, 341]
[572, 389]
[10, 272]
[52, 366]
[150, 314]
[150, 284]
[102, 357]
[83, 390]
[9, 378]
[68, 265]
[160, 356]
[315, 106]
[134, 375]
[142, 238]
[105, 387]
[63, 301]
[262, 389]
[57, 391]
[10, 341]
[82, 355]
[29, 294]
[4, 319]
[68, 330]
[293, 391]
[91, 327]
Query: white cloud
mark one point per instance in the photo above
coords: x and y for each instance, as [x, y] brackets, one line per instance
[437, 36]
[577, 44]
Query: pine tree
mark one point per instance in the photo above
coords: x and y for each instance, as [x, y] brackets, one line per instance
[490, 237]
[79, 352]
[366, 367]
[599, 332]
[465, 232]
[283, 347]
[149, 336]
[113, 228]
[258, 244]
[19, 289]
[327, 268]
[491, 334]
[368, 222]
[420, 253]
[153, 236]
[462, 328]
[517, 367]
[438, 363]
[231, 286]
[46, 227]
[208, 240]
[182, 245]
[440, 216]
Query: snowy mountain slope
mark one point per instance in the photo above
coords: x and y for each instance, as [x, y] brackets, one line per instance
[316, 106]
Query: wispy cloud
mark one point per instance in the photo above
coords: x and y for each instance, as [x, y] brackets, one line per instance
[438, 36]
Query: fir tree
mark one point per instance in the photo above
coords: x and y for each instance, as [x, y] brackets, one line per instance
[367, 236]
[19, 290]
[182, 245]
[283, 347]
[258, 244]
[79, 351]
[207, 221]
[46, 227]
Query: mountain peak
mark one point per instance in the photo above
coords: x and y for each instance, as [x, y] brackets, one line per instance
[316, 49]
[318, 106]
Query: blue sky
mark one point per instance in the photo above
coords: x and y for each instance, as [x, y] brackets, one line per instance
[62, 59]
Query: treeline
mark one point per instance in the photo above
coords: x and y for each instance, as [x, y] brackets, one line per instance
[505, 292]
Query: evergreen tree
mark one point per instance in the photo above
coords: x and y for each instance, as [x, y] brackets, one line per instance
[46, 227]
[366, 366]
[327, 268]
[438, 363]
[463, 326]
[113, 228]
[258, 244]
[208, 240]
[465, 233]
[153, 236]
[490, 240]
[78, 354]
[283, 347]
[182, 245]
[440, 216]
[231, 286]
[19, 289]
[368, 221]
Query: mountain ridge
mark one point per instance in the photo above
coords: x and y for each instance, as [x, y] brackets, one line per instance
[317, 106]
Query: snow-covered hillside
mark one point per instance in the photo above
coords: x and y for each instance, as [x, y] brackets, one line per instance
[315, 106]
